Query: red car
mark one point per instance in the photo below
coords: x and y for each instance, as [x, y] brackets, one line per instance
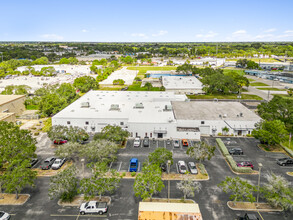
[245, 164]
[184, 143]
[60, 141]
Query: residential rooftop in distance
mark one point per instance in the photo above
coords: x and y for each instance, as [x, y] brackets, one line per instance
[181, 82]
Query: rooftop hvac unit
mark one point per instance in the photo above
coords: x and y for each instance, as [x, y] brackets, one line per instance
[139, 105]
[168, 108]
[224, 115]
[114, 107]
[241, 114]
[85, 105]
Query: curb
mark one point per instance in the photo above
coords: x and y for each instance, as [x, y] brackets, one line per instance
[19, 203]
[75, 205]
[256, 210]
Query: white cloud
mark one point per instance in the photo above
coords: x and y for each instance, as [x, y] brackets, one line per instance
[161, 33]
[239, 32]
[270, 30]
[210, 34]
[288, 32]
[53, 37]
[84, 30]
[263, 36]
[142, 35]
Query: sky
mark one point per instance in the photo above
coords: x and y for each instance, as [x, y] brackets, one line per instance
[146, 21]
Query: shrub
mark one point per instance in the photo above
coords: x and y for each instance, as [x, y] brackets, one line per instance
[219, 134]
[202, 169]
[289, 151]
[222, 147]
[235, 168]
[133, 174]
[36, 133]
[68, 196]
[118, 82]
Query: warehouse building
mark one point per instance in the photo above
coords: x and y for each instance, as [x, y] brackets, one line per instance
[182, 84]
[156, 114]
[11, 106]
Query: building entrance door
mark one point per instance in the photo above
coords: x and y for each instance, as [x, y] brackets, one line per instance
[160, 135]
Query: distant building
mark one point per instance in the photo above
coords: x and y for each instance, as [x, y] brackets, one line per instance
[182, 84]
[11, 106]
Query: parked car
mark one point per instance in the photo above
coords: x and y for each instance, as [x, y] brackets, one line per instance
[93, 207]
[176, 143]
[245, 164]
[33, 162]
[136, 142]
[235, 151]
[4, 215]
[133, 166]
[60, 141]
[248, 217]
[58, 163]
[285, 161]
[182, 167]
[146, 142]
[184, 143]
[46, 165]
[192, 168]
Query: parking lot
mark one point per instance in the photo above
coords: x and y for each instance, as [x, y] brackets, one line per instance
[124, 205]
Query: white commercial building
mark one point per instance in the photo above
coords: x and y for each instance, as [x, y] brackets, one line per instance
[182, 84]
[212, 117]
[155, 114]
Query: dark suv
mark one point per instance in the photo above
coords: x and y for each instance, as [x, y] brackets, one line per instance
[285, 161]
[46, 165]
[146, 142]
[235, 151]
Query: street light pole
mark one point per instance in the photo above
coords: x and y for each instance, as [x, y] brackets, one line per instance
[259, 170]
[168, 168]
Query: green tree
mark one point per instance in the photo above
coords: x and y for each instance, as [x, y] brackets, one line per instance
[252, 65]
[72, 133]
[278, 191]
[188, 186]
[70, 151]
[225, 130]
[67, 91]
[290, 92]
[41, 61]
[73, 60]
[201, 151]
[149, 182]
[278, 108]
[64, 60]
[19, 176]
[16, 90]
[270, 132]
[241, 190]
[160, 156]
[100, 151]
[112, 133]
[51, 104]
[15, 144]
[64, 185]
[103, 180]
[48, 71]
[148, 86]
[85, 83]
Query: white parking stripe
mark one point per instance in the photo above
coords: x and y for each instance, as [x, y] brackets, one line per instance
[177, 168]
[119, 166]
[138, 167]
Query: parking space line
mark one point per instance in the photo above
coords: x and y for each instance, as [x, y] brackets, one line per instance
[138, 167]
[119, 166]
[157, 143]
[91, 216]
[110, 165]
[177, 168]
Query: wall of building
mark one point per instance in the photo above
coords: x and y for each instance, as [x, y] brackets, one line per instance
[15, 106]
[9, 117]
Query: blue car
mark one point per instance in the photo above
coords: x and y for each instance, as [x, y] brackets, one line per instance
[133, 167]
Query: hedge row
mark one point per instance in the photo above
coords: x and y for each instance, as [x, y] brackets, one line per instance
[230, 159]
[289, 151]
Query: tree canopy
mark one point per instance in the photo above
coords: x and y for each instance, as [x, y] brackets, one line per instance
[85, 83]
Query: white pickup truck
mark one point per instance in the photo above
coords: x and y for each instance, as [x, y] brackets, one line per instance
[93, 207]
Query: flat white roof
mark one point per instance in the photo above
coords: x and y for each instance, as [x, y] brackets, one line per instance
[9, 98]
[123, 105]
[169, 207]
[208, 110]
[181, 82]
